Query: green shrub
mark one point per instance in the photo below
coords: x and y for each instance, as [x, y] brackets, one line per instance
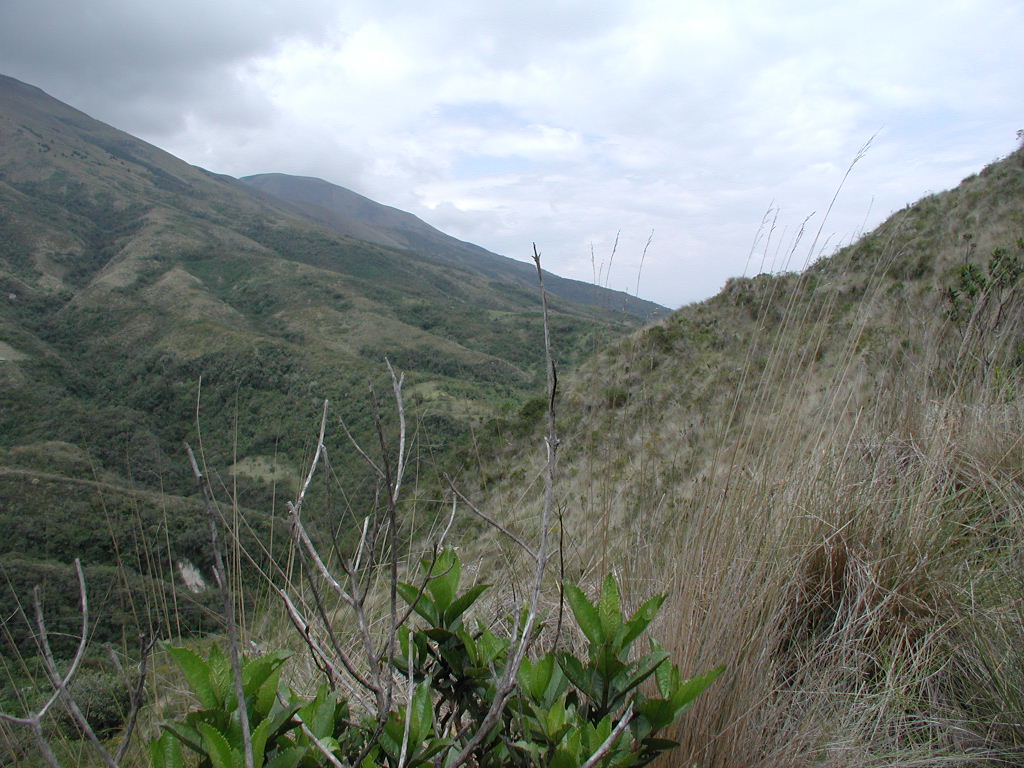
[104, 700]
[562, 711]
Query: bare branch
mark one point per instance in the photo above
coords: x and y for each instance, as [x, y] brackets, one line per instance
[305, 629]
[353, 600]
[627, 717]
[44, 745]
[297, 505]
[408, 710]
[137, 697]
[396, 385]
[60, 685]
[490, 520]
[74, 663]
[507, 683]
[359, 449]
[229, 611]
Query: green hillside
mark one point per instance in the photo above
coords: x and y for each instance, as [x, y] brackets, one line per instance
[127, 275]
[145, 302]
[353, 215]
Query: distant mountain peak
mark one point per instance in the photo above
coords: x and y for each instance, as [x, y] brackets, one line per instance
[354, 215]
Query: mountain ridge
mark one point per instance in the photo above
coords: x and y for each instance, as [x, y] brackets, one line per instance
[354, 215]
[142, 298]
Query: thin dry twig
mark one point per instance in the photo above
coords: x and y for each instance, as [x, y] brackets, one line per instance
[507, 683]
[488, 519]
[228, 607]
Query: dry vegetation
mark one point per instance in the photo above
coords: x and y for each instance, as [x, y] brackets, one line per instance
[824, 473]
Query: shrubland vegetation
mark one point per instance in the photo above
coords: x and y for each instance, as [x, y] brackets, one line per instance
[816, 477]
[141, 297]
[824, 471]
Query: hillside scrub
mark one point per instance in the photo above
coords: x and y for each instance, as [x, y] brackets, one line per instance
[824, 471]
[469, 695]
[822, 474]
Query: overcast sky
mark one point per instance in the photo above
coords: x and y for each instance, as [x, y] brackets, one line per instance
[563, 123]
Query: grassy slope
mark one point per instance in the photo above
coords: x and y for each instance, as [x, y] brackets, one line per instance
[823, 471]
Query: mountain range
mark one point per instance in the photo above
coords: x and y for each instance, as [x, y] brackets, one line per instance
[128, 274]
[145, 302]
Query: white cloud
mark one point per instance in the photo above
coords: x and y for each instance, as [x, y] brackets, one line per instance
[560, 122]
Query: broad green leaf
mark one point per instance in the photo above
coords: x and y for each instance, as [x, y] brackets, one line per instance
[421, 603]
[469, 647]
[318, 715]
[609, 608]
[554, 720]
[660, 745]
[370, 761]
[607, 661]
[578, 676]
[462, 604]
[390, 738]
[659, 714]
[217, 748]
[490, 647]
[557, 685]
[234, 730]
[165, 752]
[532, 749]
[266, 696]
[220, 678]
[693, 687]
[585, 613]
[568, 754]
[535, 676]
[434, 746]
[438, 635]
[281, 716]
[602, 731]
[422, 722]
[666, 675]
[218, 717]
[259, 737]
[256, 671]
[645, 668]
[186, 734]
[641, 619]
[444, 580]
[197, 672]
[289, 758]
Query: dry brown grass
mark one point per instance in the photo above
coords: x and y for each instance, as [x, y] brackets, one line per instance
[835, 507]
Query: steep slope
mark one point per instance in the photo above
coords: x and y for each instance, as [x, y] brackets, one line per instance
[353, 215]
[127, 274]
[145, 302]
[824, 472]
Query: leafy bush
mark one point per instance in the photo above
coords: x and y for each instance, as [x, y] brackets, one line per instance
[104, 700]
[565, 711]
